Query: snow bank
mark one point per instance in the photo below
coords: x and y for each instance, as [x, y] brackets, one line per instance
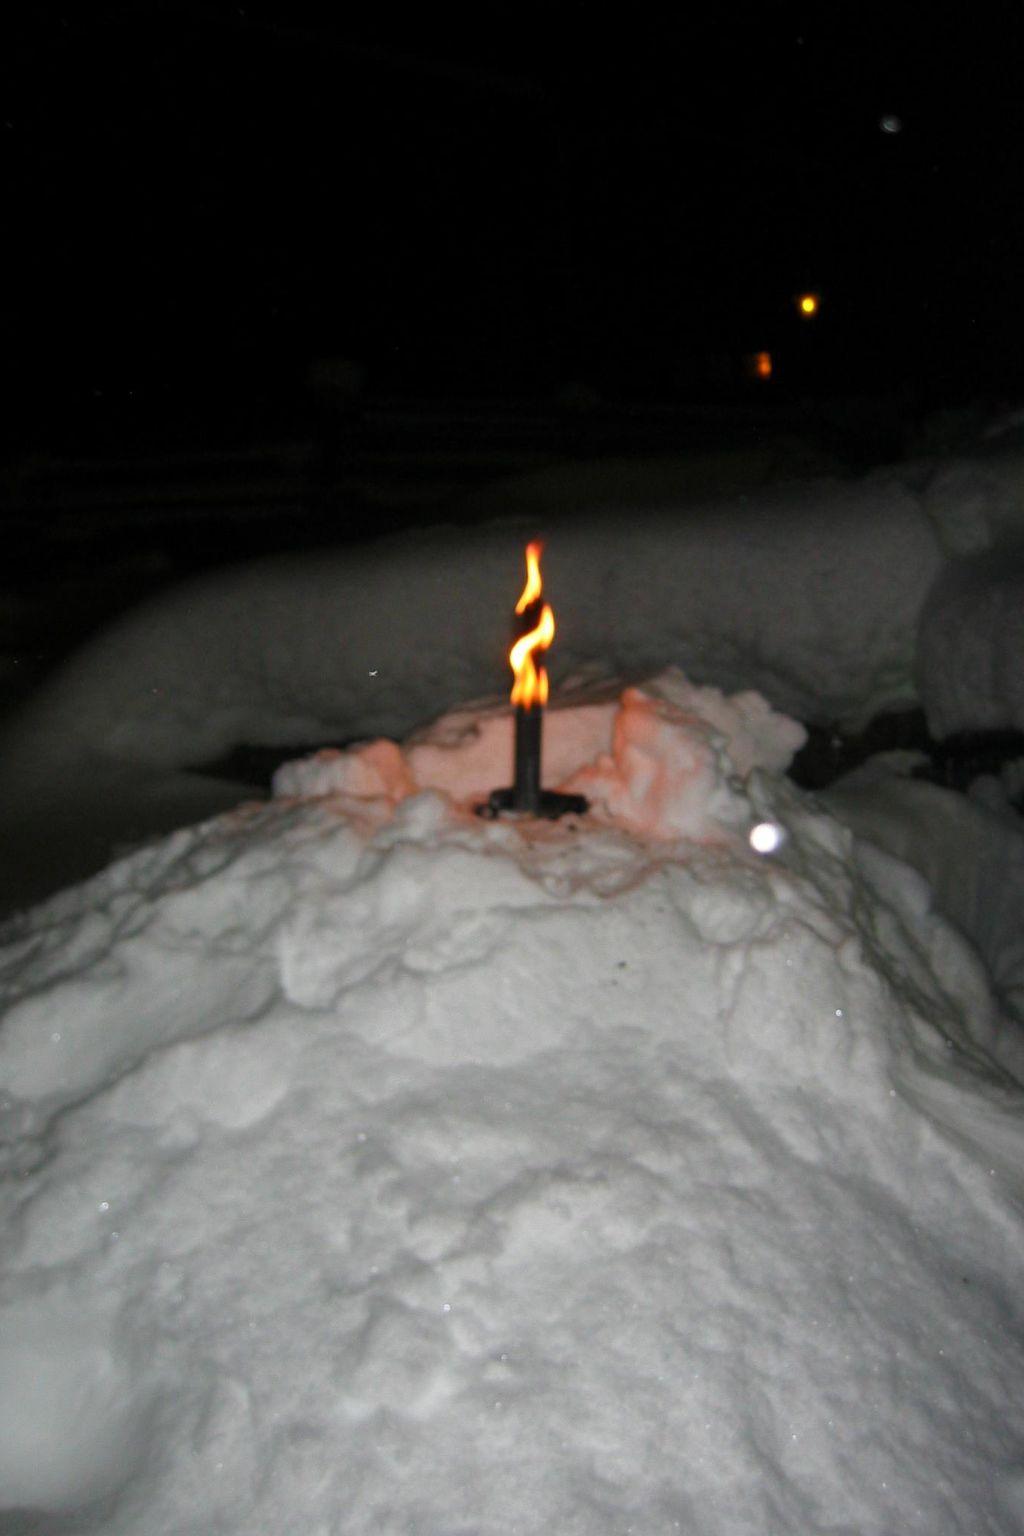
[659, 760]
[970, 658]
[399, 1170]
[976, 502]
[971, 857]
[808, 594]
[971, 648]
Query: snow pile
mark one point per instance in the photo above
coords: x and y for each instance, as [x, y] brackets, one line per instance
[834, 599]
[386, 1168]
[971, 647]
[970, 659]
[970, 853]
[660, 760]
[976, 502]
[809, 594]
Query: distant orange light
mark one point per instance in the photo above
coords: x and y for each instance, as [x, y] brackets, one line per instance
[530, 684]
[762, 365]
[808, 304]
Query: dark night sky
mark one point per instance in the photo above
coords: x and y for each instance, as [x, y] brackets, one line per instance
[200, 198]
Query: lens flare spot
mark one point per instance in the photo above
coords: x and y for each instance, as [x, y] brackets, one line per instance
[767, 837]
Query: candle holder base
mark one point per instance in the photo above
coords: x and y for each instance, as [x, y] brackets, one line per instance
[547, 803]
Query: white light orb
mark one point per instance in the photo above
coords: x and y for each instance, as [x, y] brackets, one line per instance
[766, 837]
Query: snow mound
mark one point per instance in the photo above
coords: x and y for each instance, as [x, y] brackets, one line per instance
[809, 594]
[660, 760]
[971, 646]
[976, 503]
[971, 855]
[70, 1429]
[446, 1174]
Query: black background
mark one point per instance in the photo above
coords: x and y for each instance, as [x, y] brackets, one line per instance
[501, 201]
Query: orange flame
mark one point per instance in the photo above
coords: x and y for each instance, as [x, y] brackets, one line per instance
[534, 586]
[531, 682]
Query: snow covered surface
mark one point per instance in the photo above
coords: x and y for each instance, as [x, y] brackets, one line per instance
[971, 647]
[814, 589]
[833, 598]
[628, 757]
[970, 850]
[807, 593]
[376, 1167]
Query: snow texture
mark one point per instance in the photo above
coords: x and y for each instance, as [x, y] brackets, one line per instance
[970, 660]
[814, 588]
[971, 649]
[379, 1168]
[808, 594]
[971, 855]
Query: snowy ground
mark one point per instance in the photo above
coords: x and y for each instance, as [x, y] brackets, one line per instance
[374, 1167]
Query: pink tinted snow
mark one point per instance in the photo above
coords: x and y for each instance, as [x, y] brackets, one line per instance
[661, 760]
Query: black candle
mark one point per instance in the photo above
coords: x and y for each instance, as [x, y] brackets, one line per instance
[533, 630]
[526, 784]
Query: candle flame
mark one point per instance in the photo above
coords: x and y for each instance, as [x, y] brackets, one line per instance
[531, 682]
[534, 586]
[530, 686]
